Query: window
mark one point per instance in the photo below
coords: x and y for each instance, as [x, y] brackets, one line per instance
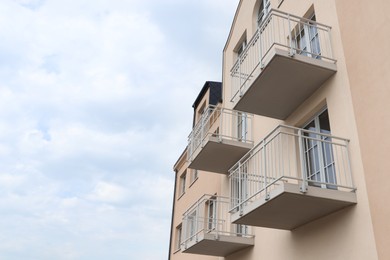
[242, 126]
[193, 175]
[264, 9]
[201, 110]
[211, 214]
[320, 163]
[182, 183]
[192, 225]
[307, 39]
[239, 188]
[241, 47]
[178, 237]
[241, 230]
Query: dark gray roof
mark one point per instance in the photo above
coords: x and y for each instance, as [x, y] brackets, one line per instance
[215, 93]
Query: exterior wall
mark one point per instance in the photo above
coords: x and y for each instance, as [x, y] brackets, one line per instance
[207, 183]
[346, 234]
[365, 35]
[356, 97]
[204, 101]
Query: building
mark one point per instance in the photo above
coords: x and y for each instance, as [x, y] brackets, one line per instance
[288, 161]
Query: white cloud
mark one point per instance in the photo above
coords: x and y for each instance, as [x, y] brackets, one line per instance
[108, 192]
[95, 107]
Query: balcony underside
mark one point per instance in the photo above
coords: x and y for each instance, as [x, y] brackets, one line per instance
[288, 208]
[223, 245]
[218, 156]
[284, 84]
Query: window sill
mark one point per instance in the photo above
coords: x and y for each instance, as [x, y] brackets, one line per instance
[192, 183]
[181, 195]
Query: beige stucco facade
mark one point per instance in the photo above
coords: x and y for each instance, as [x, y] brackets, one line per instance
[356, 97]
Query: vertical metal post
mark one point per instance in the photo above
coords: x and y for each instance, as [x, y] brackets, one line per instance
[291, 53]
[196, 222]
[184, 232]
[202, 130]
[264, 155]
[239, 190]
[349, 164]
[220, 123]
[330, 43]
[260, 47]
[189, 147]
[240, 75]
[216, 217]
[303, 187]
[321, 158]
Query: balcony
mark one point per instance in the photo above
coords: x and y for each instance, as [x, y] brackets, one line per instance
[219, 139]
[285, 62]
[208, 231]
[292, 177]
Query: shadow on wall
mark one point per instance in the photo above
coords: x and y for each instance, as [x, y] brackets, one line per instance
[327, 236]
[315, 238]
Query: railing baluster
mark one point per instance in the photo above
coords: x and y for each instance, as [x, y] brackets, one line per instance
[264, 165]
[270, 34]
[239, 189]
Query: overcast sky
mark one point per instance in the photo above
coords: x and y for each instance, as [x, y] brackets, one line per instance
[95, 108]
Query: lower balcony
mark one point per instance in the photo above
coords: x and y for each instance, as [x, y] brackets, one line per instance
[207, 229]
[221, 134]
[292, 177]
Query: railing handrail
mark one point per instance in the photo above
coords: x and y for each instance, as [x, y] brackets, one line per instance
[283, 31]
[295, 155]
[263, 24]
[213, 109]
[196, 219]
[204, 198]
[226, 120]
[265, 139]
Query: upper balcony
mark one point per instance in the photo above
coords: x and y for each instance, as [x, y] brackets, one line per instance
[286, 61]
[219, 139]
[292, 177]
[207, 229]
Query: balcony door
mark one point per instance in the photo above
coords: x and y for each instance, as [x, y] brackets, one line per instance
[211, 214]
[238, 189]
[264, 9]
[307, 39]
[318, 154]
[192, 225]
[242, 126]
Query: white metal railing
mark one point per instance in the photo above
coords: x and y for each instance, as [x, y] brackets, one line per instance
[292, 155]
[210, 214]
[284, 31]
[222, 123]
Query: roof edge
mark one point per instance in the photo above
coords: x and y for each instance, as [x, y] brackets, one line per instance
[203, 92]
[233, 23]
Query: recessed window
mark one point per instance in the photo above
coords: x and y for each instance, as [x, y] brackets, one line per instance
[192, 224]
[201, 110]
[193, 175]
[264, 9]
[307, 40]
[240, 47]
[242, 126]
[182, 183]
[178, 237]
[319, 157]
[211, 213]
